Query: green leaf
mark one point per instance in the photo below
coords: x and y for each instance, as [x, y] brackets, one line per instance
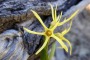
[52, 51]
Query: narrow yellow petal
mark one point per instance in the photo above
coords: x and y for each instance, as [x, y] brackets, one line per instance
[61, 43]
[53, 23]
[60, 47]
[64, 32]
[40, 20]
[57, 21]
[55, 13]
[52, 11]
[42, 47]
[55, 26]
[59, 17]
[67, 30]
[70, 18]
[63, 38]
[68, 43]
[32, 32]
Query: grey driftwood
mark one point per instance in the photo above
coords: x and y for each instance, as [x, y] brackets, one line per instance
[17, 44]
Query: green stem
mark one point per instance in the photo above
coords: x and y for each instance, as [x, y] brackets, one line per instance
[44, 53]
[52, 51]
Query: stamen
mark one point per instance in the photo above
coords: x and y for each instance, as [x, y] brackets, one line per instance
[48, 33]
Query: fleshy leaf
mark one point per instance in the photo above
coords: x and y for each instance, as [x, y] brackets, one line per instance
[52, 51]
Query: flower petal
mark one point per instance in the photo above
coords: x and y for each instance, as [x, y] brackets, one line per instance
[59, 17]
[60, 42]
[70, 18]
[52, 12]
[67, 30]
[40, 20]
[68, 43]
[55, 26]
[32, 32]
[62, 37]
[42, 47]
[56, 23]
[55, 13]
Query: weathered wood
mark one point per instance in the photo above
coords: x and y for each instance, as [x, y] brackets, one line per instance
[14, 12]
[80, 37]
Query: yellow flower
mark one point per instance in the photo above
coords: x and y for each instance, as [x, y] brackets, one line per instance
[61, 35]
[55, 18]
[49, 32]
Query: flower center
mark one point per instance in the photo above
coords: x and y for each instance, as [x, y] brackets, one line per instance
[48, 33]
